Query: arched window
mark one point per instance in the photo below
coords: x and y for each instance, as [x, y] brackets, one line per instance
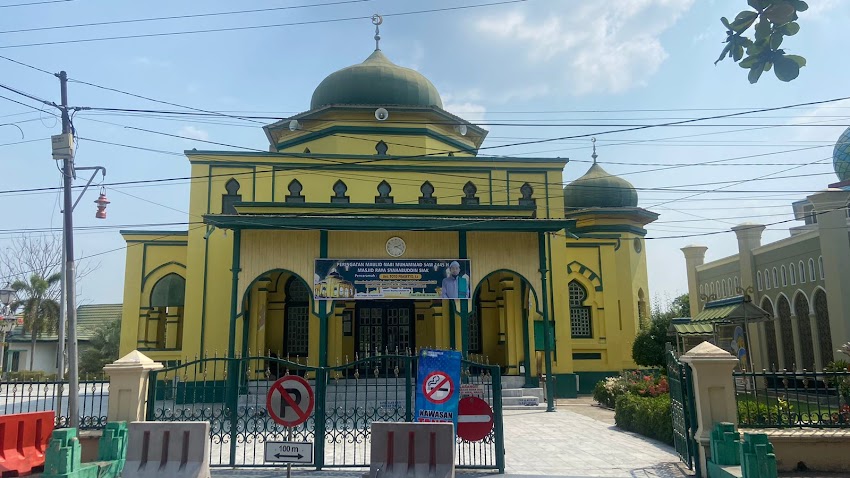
[580, 319]
[812, 276]
[802, 271]
[801, 310]
[766, 280]
[820, 268]
[701, 290]
[162, 328]
[711, 288]
[784, 277]
[784, 309]
[793, 271]
[736, 285]
[770, 335]
[824, 332]
[775, 278]
[296, 312]
[723, 289]
[729, 287]
[718, 288]
[758, 279]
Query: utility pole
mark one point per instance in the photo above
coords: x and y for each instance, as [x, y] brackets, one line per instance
[68, 176]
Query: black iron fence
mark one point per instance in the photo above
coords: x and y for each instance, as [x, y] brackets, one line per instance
[348, 398]
[52, 395]
[786, 399]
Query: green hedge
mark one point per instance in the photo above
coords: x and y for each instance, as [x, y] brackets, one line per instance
[647, 416]
[31, 376]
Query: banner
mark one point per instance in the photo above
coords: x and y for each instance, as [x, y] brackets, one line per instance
[391, 279]
[438, 386]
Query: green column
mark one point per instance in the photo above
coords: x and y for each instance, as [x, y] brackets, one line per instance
[321, 372]
[526, 339]
[547, 333]
[234, 291]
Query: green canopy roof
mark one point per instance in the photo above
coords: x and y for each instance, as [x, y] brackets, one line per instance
[733, 309]
[694, 329]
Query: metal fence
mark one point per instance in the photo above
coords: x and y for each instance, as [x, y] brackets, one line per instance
[786, 399]
[348, 398]
[52, 395]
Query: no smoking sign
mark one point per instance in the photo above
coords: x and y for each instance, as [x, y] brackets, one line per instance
[438, 387]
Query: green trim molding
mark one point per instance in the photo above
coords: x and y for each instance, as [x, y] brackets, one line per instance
[565, 385]
[587, 356]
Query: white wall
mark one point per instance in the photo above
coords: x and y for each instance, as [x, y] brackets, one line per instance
[45, 356]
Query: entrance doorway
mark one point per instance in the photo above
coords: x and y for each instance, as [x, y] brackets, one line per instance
[384, 326]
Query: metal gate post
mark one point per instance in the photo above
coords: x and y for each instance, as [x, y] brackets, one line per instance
[151, 405]
[408, 389]
[688, 389]
[498, 425]
[319, 424]
[231, 397]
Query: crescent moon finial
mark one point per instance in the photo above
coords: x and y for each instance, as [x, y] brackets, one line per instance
[377, 20]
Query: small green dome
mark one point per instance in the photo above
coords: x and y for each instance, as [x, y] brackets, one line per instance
[597, 188]
[377, 81]
[841, 156]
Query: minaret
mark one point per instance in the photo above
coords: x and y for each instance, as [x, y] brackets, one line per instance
[694, 256]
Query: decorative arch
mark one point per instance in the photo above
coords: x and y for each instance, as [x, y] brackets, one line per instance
[770, 333]
[801, 310]
[530, 284]
[171, 267]
[581, 314]
[821, 312]
[586, 272]
[802, 272]
[161, 327]
[783, 312]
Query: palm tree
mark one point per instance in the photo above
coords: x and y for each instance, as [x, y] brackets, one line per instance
[41, 312]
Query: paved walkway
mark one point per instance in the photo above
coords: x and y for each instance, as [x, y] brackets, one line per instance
[577, 440]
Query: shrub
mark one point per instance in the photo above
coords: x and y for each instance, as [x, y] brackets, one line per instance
[645, 383]
[30, 376]
[606, 391]
[647, 416]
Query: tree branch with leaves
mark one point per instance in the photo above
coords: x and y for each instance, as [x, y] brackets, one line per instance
[771, 21]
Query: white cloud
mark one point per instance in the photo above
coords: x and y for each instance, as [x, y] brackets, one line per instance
[596, 46]
[194, 133]
[818, 8]
[837, 112]
[465, 104]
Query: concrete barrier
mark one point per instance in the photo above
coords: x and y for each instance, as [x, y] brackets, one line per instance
[23, 441]
[412, 450]
[172, 449]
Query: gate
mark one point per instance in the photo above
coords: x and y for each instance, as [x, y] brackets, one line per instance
[230, 393]
[683, 411]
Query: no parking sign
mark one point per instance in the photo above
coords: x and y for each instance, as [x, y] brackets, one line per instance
[437, 386]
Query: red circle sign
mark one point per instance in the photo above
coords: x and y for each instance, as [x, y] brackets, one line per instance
[290, 401]
[474, 419]
[438, 387]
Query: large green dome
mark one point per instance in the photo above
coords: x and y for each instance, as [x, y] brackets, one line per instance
[597, 188]
[841, 156]
[377, 81]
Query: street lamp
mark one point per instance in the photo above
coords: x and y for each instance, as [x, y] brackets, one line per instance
[7, 322]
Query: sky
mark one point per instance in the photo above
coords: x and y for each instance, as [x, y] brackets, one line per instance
[566, 67]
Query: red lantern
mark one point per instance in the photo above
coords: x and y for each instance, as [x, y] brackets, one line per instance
[101, 202]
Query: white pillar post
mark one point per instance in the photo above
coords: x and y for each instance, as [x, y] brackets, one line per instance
[128, 386]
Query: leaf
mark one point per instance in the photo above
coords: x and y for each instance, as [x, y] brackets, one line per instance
[776, 40]
[786, 68]
[800, 5]
[780, 12]
[723, 53]
[757, 4]
[791, 29]
[755, 73]
[748, 62]
[763, 30]
[738, 53]
[799, 60]
[743, 21]
[725, 22]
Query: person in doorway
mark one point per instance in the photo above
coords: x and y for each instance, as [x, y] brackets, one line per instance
[454, 286]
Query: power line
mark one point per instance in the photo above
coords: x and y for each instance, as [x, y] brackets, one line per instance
[179, 17]
[258, 27]
[29, 4]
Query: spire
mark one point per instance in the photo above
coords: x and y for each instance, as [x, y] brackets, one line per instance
[594, 155]
[377, 20]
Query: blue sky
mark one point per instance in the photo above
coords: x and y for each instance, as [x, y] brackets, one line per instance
[541, 61]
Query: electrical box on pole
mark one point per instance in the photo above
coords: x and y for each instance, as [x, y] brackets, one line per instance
[63, 146]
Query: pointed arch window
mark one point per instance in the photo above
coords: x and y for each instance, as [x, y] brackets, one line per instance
[162, 328]
[766, 279]
[469, 198]
[295, 189]
[802, 270]
[580, 316]
[784, 277]
[793, 271]
[339, 193]
[736, 285]
[427, 191]
[384, 190]
[758, 280]
[812, 276]
[775, 278]
[820, 268]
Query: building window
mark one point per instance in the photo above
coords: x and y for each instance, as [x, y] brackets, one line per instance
[820, 268]
[766, 279]
[701, 290]
[13, 360]
[802, 270]
[770, 335]
[295, 189]
[784, 277]
[793, 271]
[580, 324]
[812, 276]
[758, 279]
[775, 278]
[296, 312]
[711, 288]
[723, 289]
[339, 193]
[162, 326]
[427, 191]
[804, 325]
[736, 285]
[785, 330]
[824, 332]
[474, 330]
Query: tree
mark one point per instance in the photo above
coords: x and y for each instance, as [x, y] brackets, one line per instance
[102, 348]
[41, 313]
[650, 343]
[773, 20]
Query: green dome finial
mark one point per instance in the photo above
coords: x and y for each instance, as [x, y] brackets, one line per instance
[597, 188]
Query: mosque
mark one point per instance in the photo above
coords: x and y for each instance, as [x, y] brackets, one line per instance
[798, 284]
[373, 225]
